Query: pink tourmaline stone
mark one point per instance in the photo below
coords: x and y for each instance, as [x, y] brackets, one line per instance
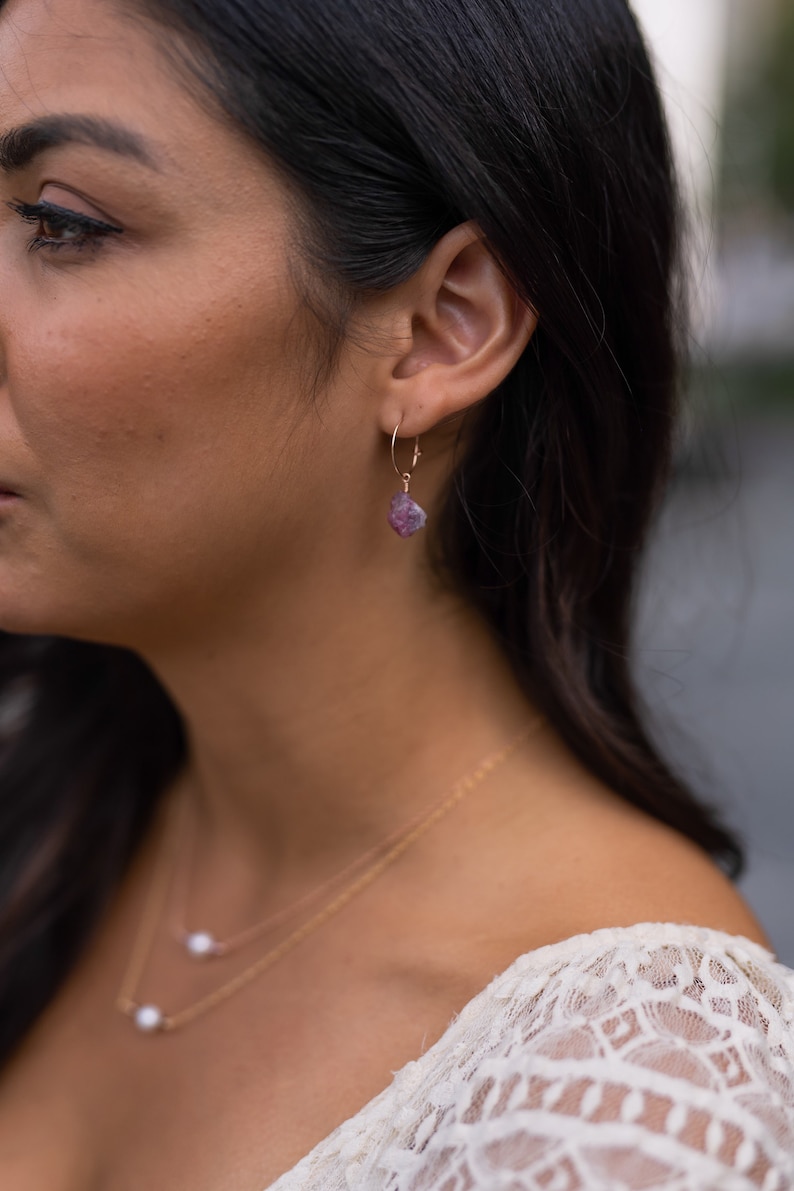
[406, 516]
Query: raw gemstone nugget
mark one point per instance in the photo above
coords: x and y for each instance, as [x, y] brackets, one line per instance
[406, 516]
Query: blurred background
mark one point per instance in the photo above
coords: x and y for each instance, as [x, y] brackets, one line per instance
[715, 622]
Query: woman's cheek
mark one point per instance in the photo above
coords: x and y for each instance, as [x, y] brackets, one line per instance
[152, 383]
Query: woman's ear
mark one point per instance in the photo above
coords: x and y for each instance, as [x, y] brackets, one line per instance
[460, 327]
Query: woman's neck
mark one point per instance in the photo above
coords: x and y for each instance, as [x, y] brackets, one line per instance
[319, 730]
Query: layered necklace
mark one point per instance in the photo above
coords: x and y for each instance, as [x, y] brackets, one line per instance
[168, 896]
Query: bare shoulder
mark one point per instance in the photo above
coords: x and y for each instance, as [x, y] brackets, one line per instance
[669, 871]
[614, 865]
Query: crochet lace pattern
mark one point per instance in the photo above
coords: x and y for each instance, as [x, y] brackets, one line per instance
[632, 1058]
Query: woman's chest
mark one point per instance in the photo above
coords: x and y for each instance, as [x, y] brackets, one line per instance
[229, 1104]
[68, 1140]
[240, 1094]
[233, 1122]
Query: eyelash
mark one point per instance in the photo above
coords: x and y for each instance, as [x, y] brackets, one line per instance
[89, 232]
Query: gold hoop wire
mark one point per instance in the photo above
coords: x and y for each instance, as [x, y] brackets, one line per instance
[405, 476]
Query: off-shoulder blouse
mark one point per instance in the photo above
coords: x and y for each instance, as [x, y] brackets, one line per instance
[628, 1059]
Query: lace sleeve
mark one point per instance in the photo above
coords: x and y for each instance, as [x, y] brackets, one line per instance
[638, 1068]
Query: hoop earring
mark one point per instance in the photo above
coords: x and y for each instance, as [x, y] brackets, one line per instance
[406, 517]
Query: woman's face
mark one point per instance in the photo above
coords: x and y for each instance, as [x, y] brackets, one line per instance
[154, 423]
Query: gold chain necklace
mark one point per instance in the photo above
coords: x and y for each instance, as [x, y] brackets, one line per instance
[203, 944]
[150, 1018]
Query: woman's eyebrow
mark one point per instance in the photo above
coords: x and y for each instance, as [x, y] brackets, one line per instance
[20, 145]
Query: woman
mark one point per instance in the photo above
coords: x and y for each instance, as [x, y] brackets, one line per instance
[285, 792]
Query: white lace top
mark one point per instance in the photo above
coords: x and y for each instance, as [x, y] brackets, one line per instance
[642, 1057]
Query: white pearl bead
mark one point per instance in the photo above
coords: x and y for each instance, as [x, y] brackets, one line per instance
[148, 1018]
[200, 944]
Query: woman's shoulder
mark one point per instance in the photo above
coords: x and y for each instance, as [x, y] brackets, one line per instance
[643, 1056]
[608, 863]
[707, 970]
[619, 987]
[655, 1054]
[658, 1054]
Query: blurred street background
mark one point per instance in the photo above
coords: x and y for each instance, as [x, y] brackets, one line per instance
[715, 623]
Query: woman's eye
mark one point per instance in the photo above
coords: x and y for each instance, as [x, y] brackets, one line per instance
[57, 227]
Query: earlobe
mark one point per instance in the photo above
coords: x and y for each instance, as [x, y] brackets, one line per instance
[468, 329]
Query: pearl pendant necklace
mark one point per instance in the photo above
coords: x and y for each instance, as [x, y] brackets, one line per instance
[149, 1018]
[200, 944]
